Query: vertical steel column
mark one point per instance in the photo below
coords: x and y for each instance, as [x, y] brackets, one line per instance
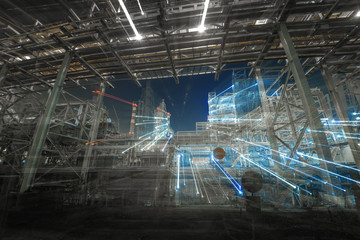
[3, 73]
[43, 126]
[268, 119]
[93, 135]
[132, 121]
[307, 99]
[341, 112]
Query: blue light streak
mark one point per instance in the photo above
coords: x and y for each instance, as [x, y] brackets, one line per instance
[293, 159]
[144, 123]
[269, 171]
[308, 175]
[150, 117]
[323, 160]
[154, 141]
[247, 88]
[222, 92]
[178, 171]
[163, 149]
[237, 186]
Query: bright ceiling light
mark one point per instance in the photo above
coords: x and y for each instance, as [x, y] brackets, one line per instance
[142, 12]
[357, 14]
[137, 35]
[201, 28]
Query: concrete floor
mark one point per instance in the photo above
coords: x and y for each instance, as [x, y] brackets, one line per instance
[179, 223]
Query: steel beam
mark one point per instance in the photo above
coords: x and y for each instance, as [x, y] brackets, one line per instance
[307, 99]
[268, 119]
[341, 112]
[43, 127]
[84, 62]
[93, 136]
[120, 60]
[311, 112]
[3, 73]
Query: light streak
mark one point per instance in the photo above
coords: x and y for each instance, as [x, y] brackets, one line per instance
[184, 176]
[222, 93]
[201, 180]
[323, 160]
[246, 88]
[154, 141]
[357, 134]
[163, 149]
[137, 35]
[308, 175]
[236, 185]
[269, 171]
[106, 139]
[144, 123]
[149, 133]
[141, 10]
[293, 159]
[113, 97]
[163, 111]
[178, 172]
[134, 145]
[192, 170]
[161, 125]
[138, 116]
[202, 24]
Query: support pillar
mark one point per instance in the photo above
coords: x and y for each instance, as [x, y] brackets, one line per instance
[268, 119]
[93, 135]
[341, 112]
[3, 73]
[43, 126]
[307, 99]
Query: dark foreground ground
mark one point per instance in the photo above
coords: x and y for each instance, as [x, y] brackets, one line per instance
[198, 223]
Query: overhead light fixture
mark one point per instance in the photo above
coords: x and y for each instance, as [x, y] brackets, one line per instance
[142, 12]
[202, 28]
[357, 14]
[137, 35]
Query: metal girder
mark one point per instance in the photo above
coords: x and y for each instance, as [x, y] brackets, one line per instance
[121, 61]
[311, 112]
[298, 140]
[43, 127]
[93, 137]
[341, 112]
[33, 76]
[87, 65]
[166, 43]
[36, 21]
[3, 73]
[268, 120]
[69, 9]
[338, 45]
[223, 42]
[271, 38]
[282, 95]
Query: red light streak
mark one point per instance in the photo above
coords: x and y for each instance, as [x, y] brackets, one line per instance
[163, 111]
[113, 97]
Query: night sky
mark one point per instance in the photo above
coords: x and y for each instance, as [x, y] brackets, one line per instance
[187, 101]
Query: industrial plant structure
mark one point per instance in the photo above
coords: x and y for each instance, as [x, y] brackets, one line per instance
[287, 127]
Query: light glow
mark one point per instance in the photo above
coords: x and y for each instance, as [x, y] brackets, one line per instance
[137, 35]
[201, 28]
[142, 12]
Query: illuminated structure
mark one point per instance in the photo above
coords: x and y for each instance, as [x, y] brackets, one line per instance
[291, 113]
